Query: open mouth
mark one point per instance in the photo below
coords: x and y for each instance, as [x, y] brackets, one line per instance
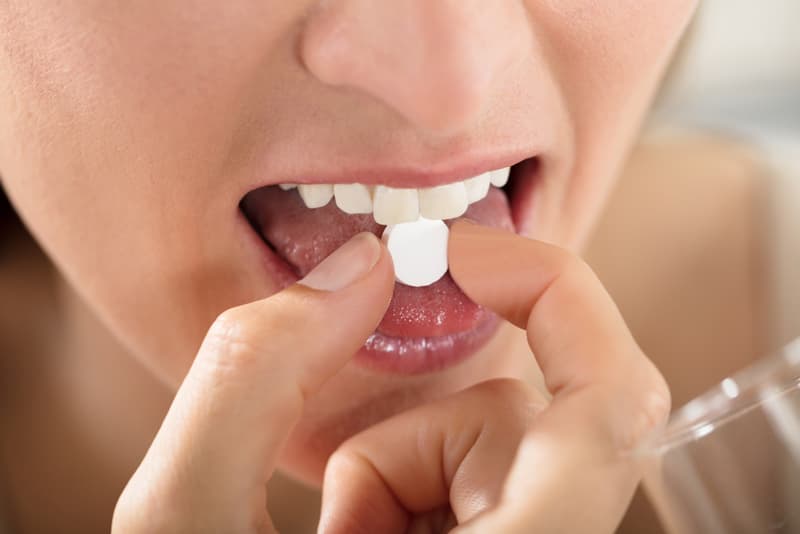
[425, 329]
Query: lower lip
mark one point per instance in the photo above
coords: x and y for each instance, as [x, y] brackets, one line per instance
[411, 356]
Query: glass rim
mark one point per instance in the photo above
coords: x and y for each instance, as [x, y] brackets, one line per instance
[764, 380]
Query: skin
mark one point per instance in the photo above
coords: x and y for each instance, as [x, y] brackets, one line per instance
[435, 466]
[126, 151]
[39, 410]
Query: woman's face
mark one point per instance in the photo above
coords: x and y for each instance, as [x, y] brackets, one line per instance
[134, 134]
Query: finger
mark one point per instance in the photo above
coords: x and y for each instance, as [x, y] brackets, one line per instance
[411, 470]
[246, 388]
[574, 472]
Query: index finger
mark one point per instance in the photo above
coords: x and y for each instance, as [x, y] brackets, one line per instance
[207, 468]
[606, 394]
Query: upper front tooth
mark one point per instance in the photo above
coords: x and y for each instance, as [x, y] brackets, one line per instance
[500, 177]
[315, 195]
[478, 187]
[443, 201]
[353, 198]
[394, 206]
[288, 187]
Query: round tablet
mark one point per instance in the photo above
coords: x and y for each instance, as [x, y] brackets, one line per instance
[419, 251]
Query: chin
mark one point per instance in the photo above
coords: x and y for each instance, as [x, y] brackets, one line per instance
[358, 397]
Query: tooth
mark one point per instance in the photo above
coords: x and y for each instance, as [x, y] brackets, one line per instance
[478, 187]
[287, 187]
[353, 198]
[443, 201]
[394, 206]
[500, 177]
[315, 195]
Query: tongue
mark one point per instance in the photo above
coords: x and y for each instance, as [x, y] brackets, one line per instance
[304, 237]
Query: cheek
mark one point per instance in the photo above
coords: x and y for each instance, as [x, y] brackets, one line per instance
[608, 59]
[612, 50]
[113, 146]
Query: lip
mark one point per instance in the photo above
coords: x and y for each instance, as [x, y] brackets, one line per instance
[417, 355]
[395, 174]
[410, 356]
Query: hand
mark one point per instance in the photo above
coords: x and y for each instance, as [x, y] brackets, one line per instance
[456, 462]
[207, 469]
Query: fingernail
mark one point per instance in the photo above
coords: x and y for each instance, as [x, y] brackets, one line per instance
[347, 264]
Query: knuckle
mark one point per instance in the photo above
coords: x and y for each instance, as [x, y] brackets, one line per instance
[568, 261]
[232, 341]
[249, 340]
[351, 461]
[131, 513]
[576, 268]
[124, 518]
[344, 458]
[650, 409]
[658, 394]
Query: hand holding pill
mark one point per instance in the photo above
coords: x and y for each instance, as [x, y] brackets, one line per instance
[530, 459]
[526, 456]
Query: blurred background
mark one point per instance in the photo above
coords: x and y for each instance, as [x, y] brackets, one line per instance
[700, 243]
[740, 74]
[714, 188]
[740, 67]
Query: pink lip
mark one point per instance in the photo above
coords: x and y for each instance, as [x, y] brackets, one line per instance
[408, 356]
[421, 174]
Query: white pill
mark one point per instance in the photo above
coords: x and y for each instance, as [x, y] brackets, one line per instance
[419, 251]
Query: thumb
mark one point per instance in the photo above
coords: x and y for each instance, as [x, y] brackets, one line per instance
[207, 468]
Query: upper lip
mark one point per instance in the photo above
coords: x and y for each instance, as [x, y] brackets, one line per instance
[417, 175]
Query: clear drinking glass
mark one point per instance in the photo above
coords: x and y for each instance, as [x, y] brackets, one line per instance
[728, 462]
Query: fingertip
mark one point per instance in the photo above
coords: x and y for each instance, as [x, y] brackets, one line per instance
[383, 272]
[346, 265]
[472, 247]
[485, 263]
[460, 252]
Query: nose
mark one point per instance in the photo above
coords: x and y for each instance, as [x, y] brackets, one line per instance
[436, 62]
